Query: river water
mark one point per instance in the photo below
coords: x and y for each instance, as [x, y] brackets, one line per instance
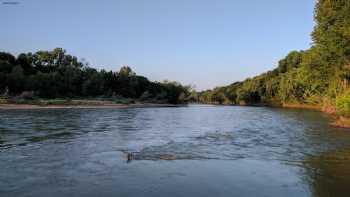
[199, 150]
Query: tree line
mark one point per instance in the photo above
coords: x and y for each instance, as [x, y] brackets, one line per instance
[317, 76]
[56, 74]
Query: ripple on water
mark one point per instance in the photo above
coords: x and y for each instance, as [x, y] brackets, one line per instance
[72, 150]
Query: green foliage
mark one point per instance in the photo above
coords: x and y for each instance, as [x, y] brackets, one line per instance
[332, 32]
[292, 61]
[16, 79]
[343, 104]
[55, 74]
[304, 77]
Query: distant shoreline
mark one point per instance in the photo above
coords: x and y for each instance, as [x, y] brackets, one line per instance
[102, 106]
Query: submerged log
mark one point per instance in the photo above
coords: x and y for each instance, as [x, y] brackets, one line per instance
[132, 156]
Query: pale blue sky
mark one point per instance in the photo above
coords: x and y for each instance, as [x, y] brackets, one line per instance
[203, 42]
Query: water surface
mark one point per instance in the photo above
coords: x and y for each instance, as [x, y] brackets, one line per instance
[214, 151]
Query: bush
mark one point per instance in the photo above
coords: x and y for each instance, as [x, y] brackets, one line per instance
[343, 104]
[146, 96]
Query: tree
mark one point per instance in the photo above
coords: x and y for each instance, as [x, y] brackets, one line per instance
[331, 33]
[7, 62]
[93, 86]
[16, 80]
[25, 61]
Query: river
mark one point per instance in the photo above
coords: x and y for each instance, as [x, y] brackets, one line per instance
[199, 150]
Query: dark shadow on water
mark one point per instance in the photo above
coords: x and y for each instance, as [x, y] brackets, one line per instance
[329, 174]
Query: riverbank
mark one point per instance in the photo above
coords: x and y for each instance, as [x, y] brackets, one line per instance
[109, 106]
[302, 106]
[79, 104]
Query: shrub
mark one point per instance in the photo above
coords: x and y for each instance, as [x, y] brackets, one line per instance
[343, 104]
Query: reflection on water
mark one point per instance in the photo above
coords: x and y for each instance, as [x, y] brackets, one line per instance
[329, 173]
[214, 150]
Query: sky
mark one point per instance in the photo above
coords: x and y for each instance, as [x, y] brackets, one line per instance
[205, 43]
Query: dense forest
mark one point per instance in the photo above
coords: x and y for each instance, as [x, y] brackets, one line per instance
[318, 76]
[55, 74]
